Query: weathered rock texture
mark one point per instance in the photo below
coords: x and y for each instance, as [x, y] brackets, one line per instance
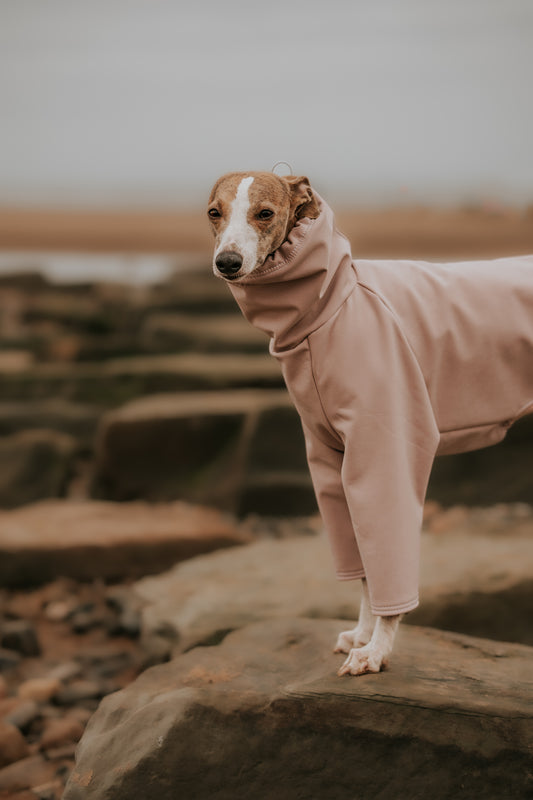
[237, 450]
[475, 578]
[88, 540]
[264, 715]
[35, 464]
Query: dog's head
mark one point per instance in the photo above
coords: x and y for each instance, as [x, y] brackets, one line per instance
[251, 214]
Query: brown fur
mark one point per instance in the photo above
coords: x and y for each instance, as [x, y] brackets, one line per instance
[289, 198]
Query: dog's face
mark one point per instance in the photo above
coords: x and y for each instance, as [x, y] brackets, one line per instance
[251, 214]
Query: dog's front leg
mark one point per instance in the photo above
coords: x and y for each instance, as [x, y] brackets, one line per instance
[362, 633]
[370, 643]
[373, 657]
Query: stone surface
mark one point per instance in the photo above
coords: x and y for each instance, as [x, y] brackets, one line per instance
[19, 635]
[116, 381]
[493, 474]
[199, 600]
[26, 773]
[13, 745]
[74, 419]
[34, 464]
[60, 731]
[212, 333]
[237, 450]
[86, 539]
[264, 715]
[39, 689]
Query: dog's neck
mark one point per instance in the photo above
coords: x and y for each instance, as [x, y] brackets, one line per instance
[301, 285]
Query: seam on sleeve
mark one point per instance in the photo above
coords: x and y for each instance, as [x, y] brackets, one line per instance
[315, 384]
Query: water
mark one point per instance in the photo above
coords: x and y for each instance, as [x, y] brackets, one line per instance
[144, 102]
[135, 269]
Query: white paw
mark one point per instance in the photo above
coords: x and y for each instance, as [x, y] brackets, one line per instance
[362, 660]
[348, 640]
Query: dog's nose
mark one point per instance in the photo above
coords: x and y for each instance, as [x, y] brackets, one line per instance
[228, 263]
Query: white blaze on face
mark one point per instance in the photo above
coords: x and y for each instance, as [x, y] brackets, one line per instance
[239, 236]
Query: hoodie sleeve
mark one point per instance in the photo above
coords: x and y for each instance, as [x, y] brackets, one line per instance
[325, 466]
[376, 399]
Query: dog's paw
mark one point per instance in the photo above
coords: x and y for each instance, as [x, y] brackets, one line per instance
[362, 660]
[348, 640]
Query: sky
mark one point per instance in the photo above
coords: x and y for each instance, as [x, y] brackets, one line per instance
[144, 103]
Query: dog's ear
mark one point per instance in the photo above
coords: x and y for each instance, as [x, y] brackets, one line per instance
[303, 203]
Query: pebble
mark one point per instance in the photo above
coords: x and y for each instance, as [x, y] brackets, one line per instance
[66, 671]
[39, 689]
[58, 611]
[60, 731]
[26, 773]
[13, 745]
[78, 691]
[23, 714]
[20, 635]
[8, 658]
[47, 791]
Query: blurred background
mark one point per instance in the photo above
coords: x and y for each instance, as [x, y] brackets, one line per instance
[414, 120]
[130, 385]
[125, 367]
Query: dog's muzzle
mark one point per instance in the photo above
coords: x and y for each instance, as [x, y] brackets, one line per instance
[228, 263]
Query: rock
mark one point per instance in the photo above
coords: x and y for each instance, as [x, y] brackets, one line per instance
[487, 476]
[236, 450]
[78, 691]
[65, 671]
[39, 689]
[264, 715]
[22, 713]
[20, 635]
[60, 731]
[212, 333]
[86, 539]
[26, 773]
[13, 745]
[34, 464]
[79, 421]
[200, 600]
[116, 381]
[8, 658]
[52, 790]
[192, 291]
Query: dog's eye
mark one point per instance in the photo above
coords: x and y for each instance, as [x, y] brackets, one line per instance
[214, 213]
[265, 213]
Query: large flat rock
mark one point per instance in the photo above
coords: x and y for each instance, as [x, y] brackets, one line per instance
[87, 540]
[240, 450]
[477, 556]
[264, 715]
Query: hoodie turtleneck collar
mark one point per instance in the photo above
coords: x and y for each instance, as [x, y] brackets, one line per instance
[301, 285]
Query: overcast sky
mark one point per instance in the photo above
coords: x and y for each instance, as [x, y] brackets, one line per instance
[146, 102]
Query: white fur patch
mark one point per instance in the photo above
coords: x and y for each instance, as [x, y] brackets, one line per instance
[239, 236]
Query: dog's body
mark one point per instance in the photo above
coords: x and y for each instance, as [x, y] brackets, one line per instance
[388, 363]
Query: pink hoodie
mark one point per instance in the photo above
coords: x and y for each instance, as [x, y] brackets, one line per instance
[390, 363]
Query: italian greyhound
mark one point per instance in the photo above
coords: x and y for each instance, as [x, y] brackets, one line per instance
[353, 339]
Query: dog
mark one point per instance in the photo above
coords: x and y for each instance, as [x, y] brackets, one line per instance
[389, 364]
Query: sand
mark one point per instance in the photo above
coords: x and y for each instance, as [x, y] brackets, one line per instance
[488, 231]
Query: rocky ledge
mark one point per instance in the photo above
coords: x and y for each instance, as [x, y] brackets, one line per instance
[264, 715]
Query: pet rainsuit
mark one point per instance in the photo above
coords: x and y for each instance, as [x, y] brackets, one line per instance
[390, 363]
